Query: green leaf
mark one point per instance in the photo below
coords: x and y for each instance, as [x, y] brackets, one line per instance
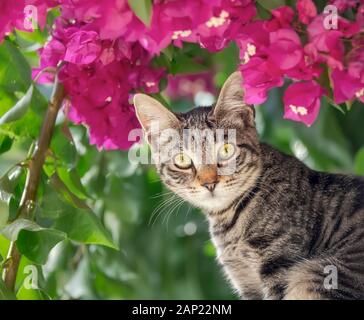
[142, 9]
[20, 108]
[36, 244]
[72, 180]
[83, 226]
[5, 143]
[75, 217]
[64, 148]
[15, 76]
[168, 52]
[15, 73]
[66, 194]
[5, 294]
[31, 294]
[51, 205]
[271, 4]
[32, 240]
[11, 231]
[4, 214]
[29, 40]
[335, 105]
[4, 246]
[359, 162]
[13, 207]
[72, 215]
[8, 183]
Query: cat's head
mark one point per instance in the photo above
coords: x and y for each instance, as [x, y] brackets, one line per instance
[210, 155]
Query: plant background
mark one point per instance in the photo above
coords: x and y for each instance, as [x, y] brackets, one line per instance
[165, 256]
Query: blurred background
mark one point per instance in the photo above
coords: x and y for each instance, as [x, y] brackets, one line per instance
[165, 251]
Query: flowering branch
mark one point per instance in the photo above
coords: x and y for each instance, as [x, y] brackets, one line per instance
[123, 47]
[29, 196]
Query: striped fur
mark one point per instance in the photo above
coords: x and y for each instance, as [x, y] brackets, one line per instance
[277, 225]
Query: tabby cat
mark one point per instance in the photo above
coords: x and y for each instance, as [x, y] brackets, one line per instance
[281, 230]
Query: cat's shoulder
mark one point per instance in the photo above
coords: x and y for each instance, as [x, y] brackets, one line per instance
[272, 156]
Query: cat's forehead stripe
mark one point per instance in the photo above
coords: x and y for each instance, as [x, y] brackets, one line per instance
[196, 118]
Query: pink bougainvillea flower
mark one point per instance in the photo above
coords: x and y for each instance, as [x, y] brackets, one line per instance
[110, 18]
[326, 44]
[115, 17]
[343, 5]
[282, 17]
[302, 102]
[83, 47]
[360, 16]
[16, 14]
[346, 87]
[50, 55]
[212, 33]
[146, 78]
[306, 11]
[259, 77]
[348, 84]
[82, 11]
[99, 86]
[252, 39]
[109, 54]
[304, 71]
[99, 99]
[10, 14]
[174, 21]
[285, 50]
[98, 76]
[240, 11]
[224, 23]
[42, 9]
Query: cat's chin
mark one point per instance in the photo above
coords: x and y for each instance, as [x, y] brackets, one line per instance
[212, 202]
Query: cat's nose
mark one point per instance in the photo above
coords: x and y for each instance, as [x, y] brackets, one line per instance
[210, 186]
[207, 177]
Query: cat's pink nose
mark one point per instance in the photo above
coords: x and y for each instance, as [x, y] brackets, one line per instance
[210, 186]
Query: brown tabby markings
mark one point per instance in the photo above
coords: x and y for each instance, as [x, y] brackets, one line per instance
[276, 224]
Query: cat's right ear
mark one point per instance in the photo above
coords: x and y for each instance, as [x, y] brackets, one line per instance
[152, 115]
[230, 105]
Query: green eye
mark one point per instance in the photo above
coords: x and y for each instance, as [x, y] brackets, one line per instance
[226, 151]
[182, 161]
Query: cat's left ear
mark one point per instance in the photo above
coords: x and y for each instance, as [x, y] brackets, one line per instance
[152, 115]
[230, 106]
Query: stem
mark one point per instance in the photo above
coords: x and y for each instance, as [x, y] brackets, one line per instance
[29, 196]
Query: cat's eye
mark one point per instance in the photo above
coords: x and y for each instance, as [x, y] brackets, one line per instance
[226, 151]
[182, 161]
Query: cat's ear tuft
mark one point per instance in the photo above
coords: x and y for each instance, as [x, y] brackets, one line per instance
[152, 114]
[230, 105]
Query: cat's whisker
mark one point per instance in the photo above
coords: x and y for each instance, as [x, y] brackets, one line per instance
[157, 211]
[171, 208]
[178, 203]
[162, 206]
[162, 194]
[188, 211]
